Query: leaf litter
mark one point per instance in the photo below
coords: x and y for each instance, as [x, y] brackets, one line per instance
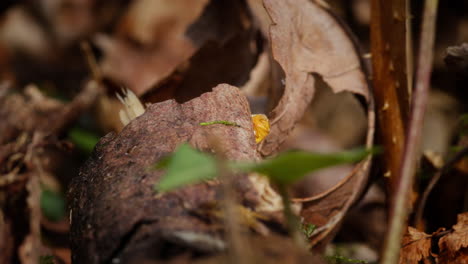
[184, 60]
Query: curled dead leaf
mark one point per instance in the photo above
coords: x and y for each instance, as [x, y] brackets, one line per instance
[309, 43]
[305, 39]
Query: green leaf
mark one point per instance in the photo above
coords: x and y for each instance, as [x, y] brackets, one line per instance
[83, 139]
[52, 205]
[288, 167]
[308, 229]
[186, 166]
[163, 163]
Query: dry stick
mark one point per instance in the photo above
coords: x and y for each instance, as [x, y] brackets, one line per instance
[238, 245]
[239, 250]
[291, 219]
[413, 139]
[91, 61]
[457, 157]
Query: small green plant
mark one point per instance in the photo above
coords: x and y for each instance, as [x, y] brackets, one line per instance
[84, 140]
[52, 205]
[308, 229]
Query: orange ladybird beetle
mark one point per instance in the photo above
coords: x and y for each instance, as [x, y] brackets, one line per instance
[261, 127]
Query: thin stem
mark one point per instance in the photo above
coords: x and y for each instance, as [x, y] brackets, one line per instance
[239, 251]
[292, 221]
[400, 210]
[91, 61]
[236, 235]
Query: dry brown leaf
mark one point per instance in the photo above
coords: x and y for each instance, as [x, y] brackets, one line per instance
[453, 242]
[163, 41]
[158, 26]
[305, 39]
[416, 246]
[227, 52]
[203, 70]
[38, 112]
[459, 257]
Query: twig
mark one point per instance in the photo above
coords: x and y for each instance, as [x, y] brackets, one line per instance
[413, 140]
[292, 221]
[238, 249]
[448, 165]
[91, 61]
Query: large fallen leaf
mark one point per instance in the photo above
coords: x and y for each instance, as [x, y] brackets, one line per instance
[309, 43]
[305, 39]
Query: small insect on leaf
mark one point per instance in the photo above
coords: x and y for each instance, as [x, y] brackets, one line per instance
[261, 127]
[220, 122]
